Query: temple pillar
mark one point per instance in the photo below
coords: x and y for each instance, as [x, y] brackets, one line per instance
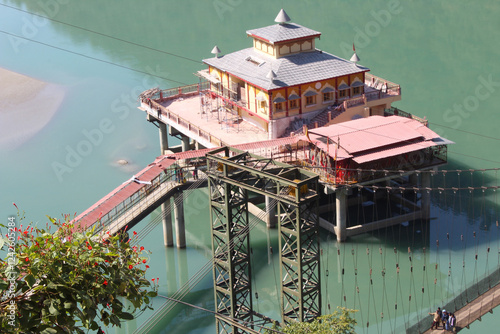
[425, 181]
[341, 209]
[163, 137]
[185, 144]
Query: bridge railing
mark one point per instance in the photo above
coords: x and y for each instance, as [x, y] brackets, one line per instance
[120, 209]
[146, 196]
[130, 201]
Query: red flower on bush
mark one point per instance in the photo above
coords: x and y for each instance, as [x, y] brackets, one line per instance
[105, 282]
[147, 267]
[144, 261]
[90, 247]
[130, 266]
[135, 233]
[26, 259]
[142, 248]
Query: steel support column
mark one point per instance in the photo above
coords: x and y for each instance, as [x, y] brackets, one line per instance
[300, 261]
[231, 174]
[230, 246]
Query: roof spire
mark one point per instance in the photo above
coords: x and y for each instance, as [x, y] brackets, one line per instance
[354, 57]
[216, 51]
[271, 75]
[282, 17]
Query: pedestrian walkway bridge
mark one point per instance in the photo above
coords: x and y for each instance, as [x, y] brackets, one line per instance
[485, 303]
[136, 198]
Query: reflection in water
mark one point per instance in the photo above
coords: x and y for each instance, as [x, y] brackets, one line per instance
[171, 270]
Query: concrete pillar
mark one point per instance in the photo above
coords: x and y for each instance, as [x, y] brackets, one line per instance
[180, 232]
[272, 219]
[197, 145]
[185, 144]
[163, 137]
[425, 181]
[341, 209]
[166, 213]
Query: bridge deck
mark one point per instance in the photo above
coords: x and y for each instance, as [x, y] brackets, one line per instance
[474, 310]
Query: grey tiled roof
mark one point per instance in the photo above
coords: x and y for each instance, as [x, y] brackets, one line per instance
[283, 32]
[290, 70]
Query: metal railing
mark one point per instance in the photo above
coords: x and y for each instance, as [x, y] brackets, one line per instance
[399, 112]
[130, 201]
[165, 112]
[183, 90]
[159, 187]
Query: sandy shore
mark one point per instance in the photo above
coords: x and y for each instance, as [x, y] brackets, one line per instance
[26, 106]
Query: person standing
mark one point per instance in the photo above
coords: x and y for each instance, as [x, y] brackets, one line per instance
[436, 318]
[444, 318]
[452, 321]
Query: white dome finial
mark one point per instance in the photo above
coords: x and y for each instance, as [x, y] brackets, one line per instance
[216, 51]
[271, 75]
[354, 57]
[282, 17]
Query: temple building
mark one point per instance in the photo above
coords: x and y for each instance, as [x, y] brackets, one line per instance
[284, 78]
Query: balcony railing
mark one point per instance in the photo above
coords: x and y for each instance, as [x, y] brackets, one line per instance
[181, 91]
[399, 112]
[152, 108]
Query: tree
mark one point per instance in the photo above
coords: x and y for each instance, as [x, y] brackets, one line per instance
[71, 280]
[339, 322]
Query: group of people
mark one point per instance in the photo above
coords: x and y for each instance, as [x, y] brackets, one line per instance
[447, 320]
[180, 177]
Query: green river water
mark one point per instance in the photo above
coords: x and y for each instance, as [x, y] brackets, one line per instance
[442, 53]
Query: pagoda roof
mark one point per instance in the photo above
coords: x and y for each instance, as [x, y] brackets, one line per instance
[283, 32]
[254, 67]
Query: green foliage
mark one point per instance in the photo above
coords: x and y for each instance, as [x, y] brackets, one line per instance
[70, 281]
[339, 322]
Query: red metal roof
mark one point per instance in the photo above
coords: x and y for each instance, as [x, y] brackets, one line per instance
[373, 138]
[390, 152]
[371, 133]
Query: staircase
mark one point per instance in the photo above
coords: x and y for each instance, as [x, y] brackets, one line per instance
[318, 121]
[324, 118]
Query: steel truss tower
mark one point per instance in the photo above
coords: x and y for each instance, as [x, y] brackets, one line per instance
[232, 174]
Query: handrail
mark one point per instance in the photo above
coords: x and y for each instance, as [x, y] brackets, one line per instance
[399, 112]
[183, 90]
[184, 123]
[132, 200]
